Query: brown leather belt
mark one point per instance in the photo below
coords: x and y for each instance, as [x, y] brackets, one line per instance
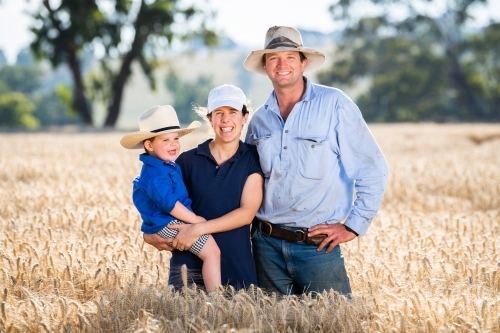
[273, 230]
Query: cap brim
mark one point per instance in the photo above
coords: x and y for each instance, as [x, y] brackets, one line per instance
[315, 59]
[227, 102]
[134, 140]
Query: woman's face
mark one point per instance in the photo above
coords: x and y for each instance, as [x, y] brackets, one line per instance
[227, 123]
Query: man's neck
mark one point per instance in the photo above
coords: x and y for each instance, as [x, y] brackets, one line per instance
[289, 96]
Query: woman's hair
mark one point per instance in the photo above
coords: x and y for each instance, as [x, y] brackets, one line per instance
[202, 112]
[244, 110]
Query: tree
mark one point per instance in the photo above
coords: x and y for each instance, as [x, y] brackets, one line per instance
[64, 31]
[3, 59]
[420, 67]
[16, 111]
[24, 79]
[187, 93]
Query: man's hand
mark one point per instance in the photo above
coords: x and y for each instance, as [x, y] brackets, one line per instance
[160, 243]
[336, 234]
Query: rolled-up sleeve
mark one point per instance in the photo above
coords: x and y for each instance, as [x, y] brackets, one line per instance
[364, 163]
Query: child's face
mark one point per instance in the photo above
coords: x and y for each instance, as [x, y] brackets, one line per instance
[165, 147]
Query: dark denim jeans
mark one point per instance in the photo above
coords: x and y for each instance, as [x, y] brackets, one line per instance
[294, 268]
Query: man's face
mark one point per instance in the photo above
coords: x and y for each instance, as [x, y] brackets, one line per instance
[284, 68]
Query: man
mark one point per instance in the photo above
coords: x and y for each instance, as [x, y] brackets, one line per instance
[316, 153]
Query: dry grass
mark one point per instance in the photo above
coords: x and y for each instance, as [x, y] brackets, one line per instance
[72, 259]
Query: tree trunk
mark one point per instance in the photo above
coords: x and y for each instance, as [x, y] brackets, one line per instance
[460, 80]
[124, 73]
[80, 102]
[118, 87]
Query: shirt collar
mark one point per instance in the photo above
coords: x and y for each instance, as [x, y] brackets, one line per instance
[309, 94]
[153, 161]
[204, 149]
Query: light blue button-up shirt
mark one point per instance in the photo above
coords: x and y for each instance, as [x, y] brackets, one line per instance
[313, 162]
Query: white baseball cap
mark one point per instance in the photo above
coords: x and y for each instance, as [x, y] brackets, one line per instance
[226, 95]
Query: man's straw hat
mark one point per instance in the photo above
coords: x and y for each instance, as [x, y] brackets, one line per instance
[278, 39]
[156, 121]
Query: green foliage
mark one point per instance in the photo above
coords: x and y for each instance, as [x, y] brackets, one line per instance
[50, 110]
[188, 94]
[24, 79]
[25, 105]
[63, 92]
[63, 32]
[419, 68]
[3, 59]
[16, 111]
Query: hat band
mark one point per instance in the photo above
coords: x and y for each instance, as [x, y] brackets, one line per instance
[165, 129]
[280, 42]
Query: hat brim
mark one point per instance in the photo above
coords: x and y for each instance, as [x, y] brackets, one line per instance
[134, 140]
[315, 58]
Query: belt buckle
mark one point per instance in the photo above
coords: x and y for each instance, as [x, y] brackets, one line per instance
[267, 224]
[303, 235]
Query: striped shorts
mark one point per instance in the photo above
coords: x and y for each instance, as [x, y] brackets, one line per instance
[171, 233]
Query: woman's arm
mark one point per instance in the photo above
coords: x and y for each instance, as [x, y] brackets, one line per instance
[251, 198]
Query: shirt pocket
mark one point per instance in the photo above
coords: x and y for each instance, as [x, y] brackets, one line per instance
[312, 158]
[264, 148]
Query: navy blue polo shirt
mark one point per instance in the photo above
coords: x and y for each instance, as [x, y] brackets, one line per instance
[156, 191]
[216, 191]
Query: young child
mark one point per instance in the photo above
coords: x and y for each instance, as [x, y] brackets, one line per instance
[159, 193]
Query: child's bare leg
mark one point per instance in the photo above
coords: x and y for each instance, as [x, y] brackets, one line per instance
[210, 254]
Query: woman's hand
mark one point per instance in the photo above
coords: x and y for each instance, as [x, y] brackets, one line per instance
[162, 244]
[188, 234]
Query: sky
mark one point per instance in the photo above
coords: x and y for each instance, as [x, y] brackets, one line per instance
[246, 22]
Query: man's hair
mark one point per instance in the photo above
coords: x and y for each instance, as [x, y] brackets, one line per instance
[302, 58]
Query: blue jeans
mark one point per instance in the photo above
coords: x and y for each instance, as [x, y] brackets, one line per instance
[293, 268]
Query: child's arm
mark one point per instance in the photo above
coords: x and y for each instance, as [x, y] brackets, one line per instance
[182, 213]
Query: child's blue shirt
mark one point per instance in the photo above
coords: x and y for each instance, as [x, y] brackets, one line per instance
[156, 191]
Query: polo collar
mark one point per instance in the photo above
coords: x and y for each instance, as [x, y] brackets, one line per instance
[204, 149]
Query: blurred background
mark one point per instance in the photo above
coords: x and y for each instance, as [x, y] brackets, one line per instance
[101, 63]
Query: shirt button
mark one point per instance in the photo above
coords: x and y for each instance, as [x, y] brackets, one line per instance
[286, 131]
[285, 147]
[217, 167]
[313, 146]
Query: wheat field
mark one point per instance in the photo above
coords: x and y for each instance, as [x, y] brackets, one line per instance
[73, 260]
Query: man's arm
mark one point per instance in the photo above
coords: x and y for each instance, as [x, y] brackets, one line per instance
[363, 162]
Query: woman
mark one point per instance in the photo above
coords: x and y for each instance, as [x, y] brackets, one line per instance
[224, 180]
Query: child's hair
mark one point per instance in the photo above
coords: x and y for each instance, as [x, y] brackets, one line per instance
[150, 139]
